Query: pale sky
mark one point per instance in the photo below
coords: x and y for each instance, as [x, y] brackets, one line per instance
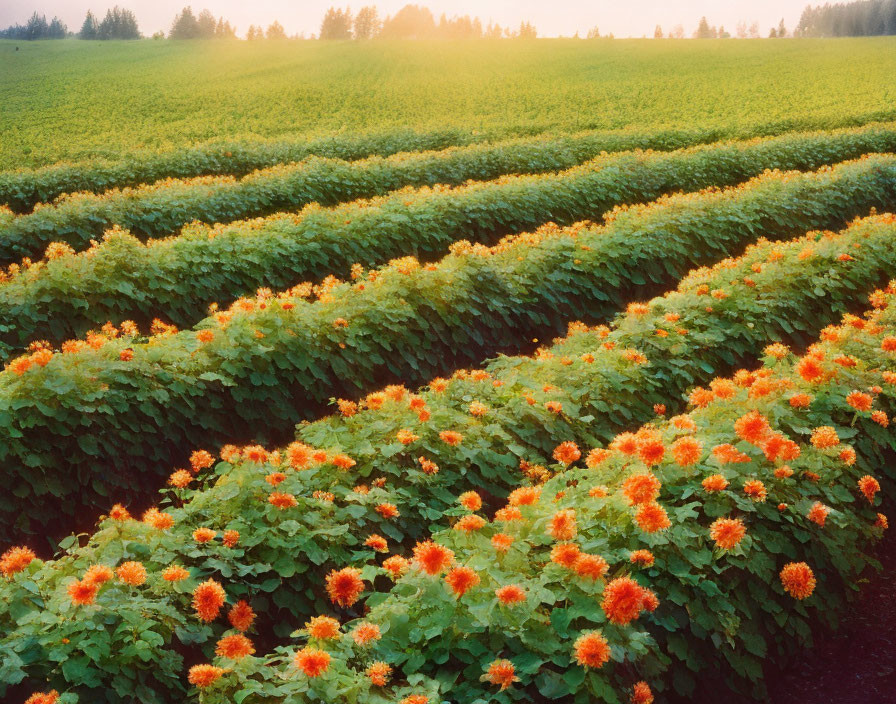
[551, 17]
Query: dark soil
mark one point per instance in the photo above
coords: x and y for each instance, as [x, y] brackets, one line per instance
[856, 664]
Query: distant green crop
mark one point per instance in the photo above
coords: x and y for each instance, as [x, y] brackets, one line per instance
[118, 98]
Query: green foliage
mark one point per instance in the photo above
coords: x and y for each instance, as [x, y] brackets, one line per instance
[178, 278]
[67, 101]
[282, 555]
[116, 424]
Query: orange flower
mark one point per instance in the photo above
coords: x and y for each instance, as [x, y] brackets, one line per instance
[869, 486]
[387, 510]
[888, 344]
[377, 542]
[566, 452]
[880, 418]
[651, 451]
[174, 573]
[451, 437]
[502, 542]
[347, 408]
[686, 451]
[524, 496]
[50, 697]
[714, 483]
[395, 565]
[755, 489]
[204, 336]
[133, 573]
[343, 462]
[809, 369]
[282, 500]
[860, 401]
[623, 600]
[727, 532]
[783, 472]
[510, 594]
[641, 693]
[204, 675]
[299, 455]
[502, 673]
[641, 488]
[432, 558]
[241, 616]
[234, 647]
[596, 457]
[312, 662]
[728, 454]
[322, 627]
[415, 699]
[824, 437]
[469, 523]
[565, 554]
[15, 560]
[470, 500]
[847, 456]
[478, 409]
[590, 566]
[208, 598]
[798, 580]
[562, 525]
[366, 633]
[201, 459]
[641, 557]
[461, 580]
[592, 650]
[82, 593]
[651, 517]
[230, 538]
[157, 519]
[119, 513]
[98, 574]
[800, 400]
[180, 479]
[881, 522]
[428, 466]
[598, 492]
[344, 586]
[818, 513]
[752, 427]
[204, 535]
[379, 673]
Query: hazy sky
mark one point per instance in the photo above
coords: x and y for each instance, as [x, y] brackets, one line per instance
[551, 17]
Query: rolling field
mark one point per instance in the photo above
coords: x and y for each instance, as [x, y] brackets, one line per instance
[330, 376]
[168, 95]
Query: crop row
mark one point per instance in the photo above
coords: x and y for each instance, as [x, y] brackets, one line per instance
[394, 465]
[22, 189]
[723, 537]
[176, 279]
[163, 207]
[118, 409]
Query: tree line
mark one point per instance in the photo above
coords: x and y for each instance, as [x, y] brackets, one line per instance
[413, 22]
[858, 18]
[865, 18]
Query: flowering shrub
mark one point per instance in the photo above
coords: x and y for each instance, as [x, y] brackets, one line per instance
[23, 189]
[612, 607]
[266, 527]
[510, 204]
[122, 279]
[132, 408]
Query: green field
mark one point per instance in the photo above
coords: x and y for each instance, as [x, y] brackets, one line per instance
[444, 372]
[67, 100]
